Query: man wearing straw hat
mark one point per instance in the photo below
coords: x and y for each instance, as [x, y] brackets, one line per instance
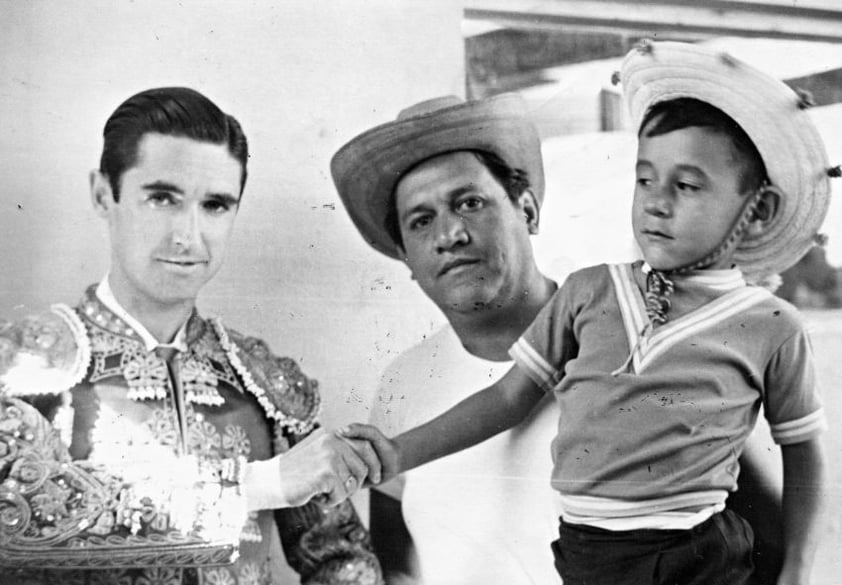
[454, 190]
[660, 367]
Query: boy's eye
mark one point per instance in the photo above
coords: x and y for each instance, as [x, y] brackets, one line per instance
[687, 187]
[644, 181]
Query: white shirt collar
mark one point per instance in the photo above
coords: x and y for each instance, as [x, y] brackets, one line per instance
[107, 298]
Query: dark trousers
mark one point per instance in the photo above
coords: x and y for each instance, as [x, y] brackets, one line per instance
[717, 552]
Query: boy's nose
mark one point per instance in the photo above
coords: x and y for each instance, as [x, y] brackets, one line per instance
[658, 204]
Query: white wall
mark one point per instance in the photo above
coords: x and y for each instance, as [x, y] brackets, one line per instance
[303, 77]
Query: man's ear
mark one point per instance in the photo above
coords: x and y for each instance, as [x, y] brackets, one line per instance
[765, 210]
[402, 252]
[102, 197]
[528, 206]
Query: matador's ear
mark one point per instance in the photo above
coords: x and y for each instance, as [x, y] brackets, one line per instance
[102, 196]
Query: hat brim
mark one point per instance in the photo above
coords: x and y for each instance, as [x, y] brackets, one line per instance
[768, 111]
[368, 168]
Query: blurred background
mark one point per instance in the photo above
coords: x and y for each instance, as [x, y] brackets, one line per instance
[305, 76]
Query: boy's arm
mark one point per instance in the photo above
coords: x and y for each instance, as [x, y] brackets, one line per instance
[482, 415]
[803, 506]
[493, 410]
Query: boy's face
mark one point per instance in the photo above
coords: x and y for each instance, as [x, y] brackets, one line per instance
[686, 196]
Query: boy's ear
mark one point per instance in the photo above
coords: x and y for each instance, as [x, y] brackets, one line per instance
[528, 206]
[765, 210]
[101, 196]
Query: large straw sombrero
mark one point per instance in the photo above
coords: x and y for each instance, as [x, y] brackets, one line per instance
[770, 113]
[366, 170]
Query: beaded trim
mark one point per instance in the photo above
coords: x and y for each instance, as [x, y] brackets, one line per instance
[294, 424]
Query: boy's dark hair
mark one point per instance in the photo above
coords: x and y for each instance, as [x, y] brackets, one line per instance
[172, 111]
[514, 182]
[681, 113]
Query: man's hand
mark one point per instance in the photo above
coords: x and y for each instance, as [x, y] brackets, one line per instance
[322, 464]
[386, 449]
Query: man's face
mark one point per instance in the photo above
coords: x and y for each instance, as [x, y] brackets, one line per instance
[466, 242]
[172, 222]
[687, 196]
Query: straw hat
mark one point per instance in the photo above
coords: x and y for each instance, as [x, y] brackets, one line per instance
[774, 118]
[367, 169]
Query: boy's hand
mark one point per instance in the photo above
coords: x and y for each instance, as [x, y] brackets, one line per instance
[387, 450]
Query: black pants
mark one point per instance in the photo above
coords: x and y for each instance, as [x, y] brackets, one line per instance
[716, 552]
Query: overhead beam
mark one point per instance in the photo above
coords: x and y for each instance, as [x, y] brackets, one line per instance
[665, 18]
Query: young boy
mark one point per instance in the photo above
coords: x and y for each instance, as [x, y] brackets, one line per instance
[660, 367]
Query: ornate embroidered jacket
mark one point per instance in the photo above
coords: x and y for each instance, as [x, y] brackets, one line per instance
[122, 465]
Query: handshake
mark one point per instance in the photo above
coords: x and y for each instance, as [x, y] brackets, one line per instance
[330, 466]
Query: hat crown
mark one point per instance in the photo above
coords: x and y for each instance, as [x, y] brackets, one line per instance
[366, 170]
[430, 106]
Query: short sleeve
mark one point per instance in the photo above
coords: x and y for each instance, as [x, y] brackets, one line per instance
[549, 342]
[792, 402]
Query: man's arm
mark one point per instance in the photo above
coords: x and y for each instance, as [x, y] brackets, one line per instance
[392, 540]
[327, 543]
[804, 501]
[490, 411]
[758, 499]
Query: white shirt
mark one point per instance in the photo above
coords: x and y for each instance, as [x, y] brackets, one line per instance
[106, 296]
[484, 515]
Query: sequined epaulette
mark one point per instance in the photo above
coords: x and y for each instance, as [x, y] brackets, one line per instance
[287, 396]
[47, 353]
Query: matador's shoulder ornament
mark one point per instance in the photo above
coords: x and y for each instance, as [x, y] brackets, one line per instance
[47, 353]
[287, 396]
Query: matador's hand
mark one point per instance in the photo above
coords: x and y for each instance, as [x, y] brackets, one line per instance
[325, 463]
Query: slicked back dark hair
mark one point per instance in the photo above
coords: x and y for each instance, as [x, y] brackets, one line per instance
[514, 182]
[681, 113]
[172, 111]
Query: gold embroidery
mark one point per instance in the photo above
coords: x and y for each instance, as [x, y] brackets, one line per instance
[119, 351]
